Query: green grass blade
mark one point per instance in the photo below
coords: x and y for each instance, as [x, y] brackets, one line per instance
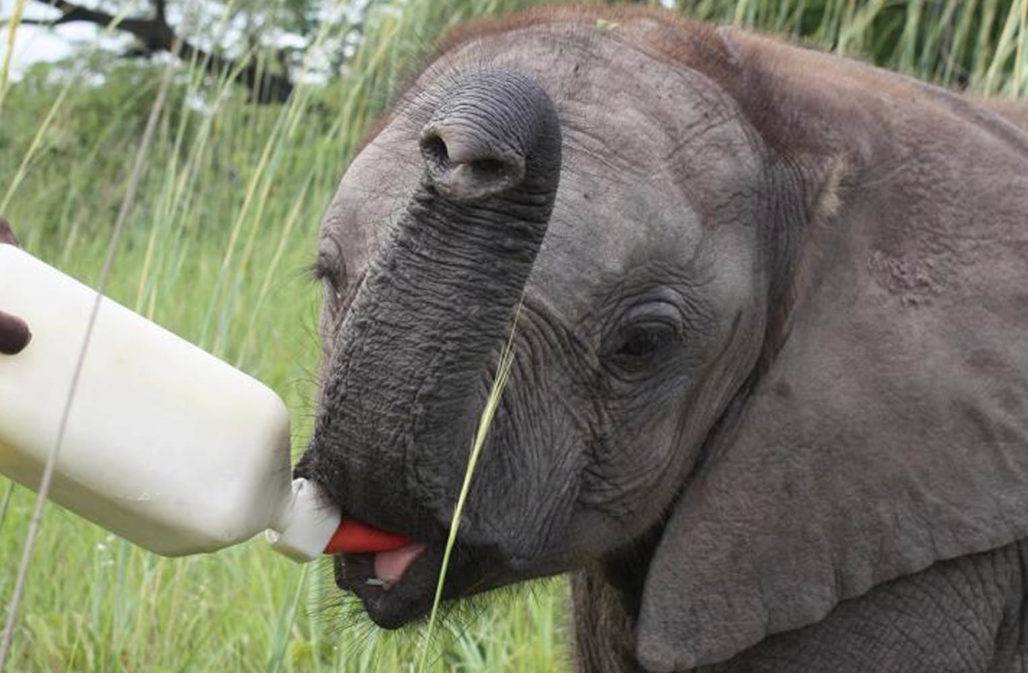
[484, 424]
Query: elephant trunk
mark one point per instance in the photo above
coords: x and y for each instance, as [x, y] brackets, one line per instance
[404, 387]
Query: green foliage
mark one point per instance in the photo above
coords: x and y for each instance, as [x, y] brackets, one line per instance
[975, 43]
[216, 249]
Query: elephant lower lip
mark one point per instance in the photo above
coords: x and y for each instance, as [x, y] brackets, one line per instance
[390, 604]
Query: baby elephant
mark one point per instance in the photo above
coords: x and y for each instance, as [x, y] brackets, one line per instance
[769, 316]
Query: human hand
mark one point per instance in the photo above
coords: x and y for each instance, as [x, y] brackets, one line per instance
[14, 333]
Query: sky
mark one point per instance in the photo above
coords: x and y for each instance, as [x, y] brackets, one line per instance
[40, 43]
[36, 43]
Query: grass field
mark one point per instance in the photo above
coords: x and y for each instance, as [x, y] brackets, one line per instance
[217, 248]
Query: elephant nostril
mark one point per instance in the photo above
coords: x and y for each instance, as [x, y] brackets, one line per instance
[462, 167]
[433, 148]
[491, 168]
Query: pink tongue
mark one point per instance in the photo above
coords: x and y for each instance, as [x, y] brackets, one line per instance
[390, 565]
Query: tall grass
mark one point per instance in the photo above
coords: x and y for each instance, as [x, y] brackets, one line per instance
[216, 249]
[975, 44]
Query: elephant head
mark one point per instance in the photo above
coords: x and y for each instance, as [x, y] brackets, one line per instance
[755, 351]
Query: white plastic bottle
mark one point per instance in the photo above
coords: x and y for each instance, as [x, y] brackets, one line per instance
[166, 445]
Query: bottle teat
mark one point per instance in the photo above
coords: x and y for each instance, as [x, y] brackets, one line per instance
[309, 526]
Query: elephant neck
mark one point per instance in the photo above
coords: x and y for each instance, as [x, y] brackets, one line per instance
[603, 628]
[606, 599]
[604, 623]
[625, 569]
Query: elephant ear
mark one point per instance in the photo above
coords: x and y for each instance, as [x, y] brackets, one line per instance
[890, 429]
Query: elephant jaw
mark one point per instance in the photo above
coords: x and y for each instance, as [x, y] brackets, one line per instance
[397, 586]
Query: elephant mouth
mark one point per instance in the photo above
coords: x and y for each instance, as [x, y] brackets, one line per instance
[398, 587]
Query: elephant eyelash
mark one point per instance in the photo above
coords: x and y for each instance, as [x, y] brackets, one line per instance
[313, 273]
[319, 273]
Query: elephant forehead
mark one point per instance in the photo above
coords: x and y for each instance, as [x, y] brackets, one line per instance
[606, 244]
[660, 173]
[639, 109]
[375, 189]
[655, 159]
[601, 229]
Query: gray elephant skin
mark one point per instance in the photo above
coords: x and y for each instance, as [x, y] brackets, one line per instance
[769, 399]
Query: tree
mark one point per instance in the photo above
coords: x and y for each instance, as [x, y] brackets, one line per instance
[153, 33]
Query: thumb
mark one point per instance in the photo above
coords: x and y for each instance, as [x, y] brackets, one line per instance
[14, 334]
[6, 234]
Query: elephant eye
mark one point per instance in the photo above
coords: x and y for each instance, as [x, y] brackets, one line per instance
[640, 343]
[644, 334]
[330, 268]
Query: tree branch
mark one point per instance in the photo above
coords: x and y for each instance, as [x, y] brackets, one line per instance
[31, 22]
[156, 35]
[69, 13]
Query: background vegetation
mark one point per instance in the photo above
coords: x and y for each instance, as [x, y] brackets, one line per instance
[217, 249]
